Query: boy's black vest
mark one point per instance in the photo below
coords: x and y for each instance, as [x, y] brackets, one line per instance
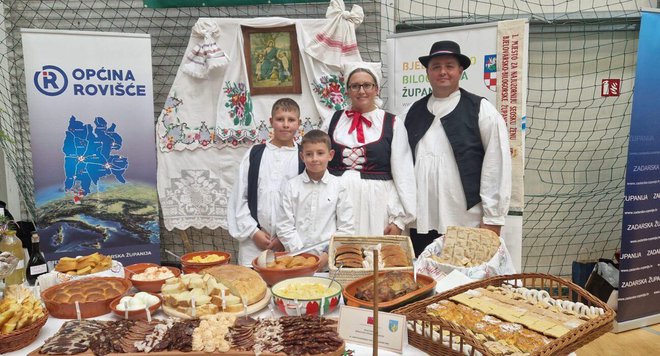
[377, 154]
[462, 129]
[253, 177]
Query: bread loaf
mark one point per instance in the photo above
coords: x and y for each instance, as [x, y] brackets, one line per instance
[241, 281]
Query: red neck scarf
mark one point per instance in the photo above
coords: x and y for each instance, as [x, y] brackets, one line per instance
[357, 124]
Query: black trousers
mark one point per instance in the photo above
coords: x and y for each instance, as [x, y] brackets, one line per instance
[420, 241]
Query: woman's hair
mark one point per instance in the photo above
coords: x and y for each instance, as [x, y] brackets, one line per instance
[362, 70]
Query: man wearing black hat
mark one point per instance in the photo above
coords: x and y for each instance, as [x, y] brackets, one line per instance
[461, 151]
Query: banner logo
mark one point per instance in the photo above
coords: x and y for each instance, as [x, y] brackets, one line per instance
[490, 71]
[50, 80]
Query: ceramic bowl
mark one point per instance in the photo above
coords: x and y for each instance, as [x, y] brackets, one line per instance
[152, 286]
[305, 306]
[93, 295]
[131, 269]
[426, 289]
[194, 267]
[274, 275]
[135, 314]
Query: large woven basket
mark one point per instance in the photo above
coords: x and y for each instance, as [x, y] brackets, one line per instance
[18, 339]
[441, 337]
[348, 275]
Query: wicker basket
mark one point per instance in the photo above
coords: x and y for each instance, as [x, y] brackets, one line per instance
[348, 275]
[441, 337]
[18, 339]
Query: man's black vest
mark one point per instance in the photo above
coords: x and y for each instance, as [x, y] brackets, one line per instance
[462, 129]
[253, 177]
[377, 154]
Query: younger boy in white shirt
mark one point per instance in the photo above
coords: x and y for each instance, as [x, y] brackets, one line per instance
[315, 206]
[256, 196]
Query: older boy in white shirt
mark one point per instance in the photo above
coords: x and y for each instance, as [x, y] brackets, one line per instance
[256, 197]
[315, 206]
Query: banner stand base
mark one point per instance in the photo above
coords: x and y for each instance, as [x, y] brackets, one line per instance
[635, 323]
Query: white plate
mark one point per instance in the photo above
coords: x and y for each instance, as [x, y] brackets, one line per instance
[252, 308]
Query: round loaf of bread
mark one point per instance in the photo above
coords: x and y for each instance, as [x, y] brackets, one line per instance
[241, 281]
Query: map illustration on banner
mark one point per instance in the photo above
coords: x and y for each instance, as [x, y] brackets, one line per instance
[107, 210]
[88, 155]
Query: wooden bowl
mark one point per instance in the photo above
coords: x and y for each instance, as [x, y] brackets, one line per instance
[426, 289]
[94, 294]
[311, 306]
[151, 286]
[274, 275]
[135, 314]
[195, 267]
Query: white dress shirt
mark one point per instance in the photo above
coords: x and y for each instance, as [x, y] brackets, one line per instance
[313, 211]
[278, 164]
[378, 203]
[441, 199]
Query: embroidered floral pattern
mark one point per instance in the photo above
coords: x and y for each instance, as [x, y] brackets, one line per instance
[331, 89]
[177, 135]
[240, 104]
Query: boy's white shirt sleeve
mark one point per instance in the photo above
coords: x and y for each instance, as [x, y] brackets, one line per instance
[496, 183]
[241, 224]
[286, 221]
[344, 211]
[402, 211]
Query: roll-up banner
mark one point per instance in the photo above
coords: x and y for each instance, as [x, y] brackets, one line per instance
[91, 112]
[498, 73]
[639, 274]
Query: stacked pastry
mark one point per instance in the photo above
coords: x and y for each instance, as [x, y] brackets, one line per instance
[393, 256]
[520, 319]
[354, 256]
[468, 247]
[349, 255]
[93, 263]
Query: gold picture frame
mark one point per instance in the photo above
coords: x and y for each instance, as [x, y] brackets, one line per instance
[272, 59]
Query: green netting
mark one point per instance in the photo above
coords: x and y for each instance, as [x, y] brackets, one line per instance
[576, 141]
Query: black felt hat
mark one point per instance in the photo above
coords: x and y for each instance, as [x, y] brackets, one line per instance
[442, 48]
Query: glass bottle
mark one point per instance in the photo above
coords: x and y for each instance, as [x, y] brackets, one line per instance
[13, 245]
[37, 264]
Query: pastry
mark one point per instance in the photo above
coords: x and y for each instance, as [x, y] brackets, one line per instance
[241, 281]
[348, 248]
[467, 246]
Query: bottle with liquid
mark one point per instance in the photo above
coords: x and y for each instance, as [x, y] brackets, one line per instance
[13, 245]
[37, 264]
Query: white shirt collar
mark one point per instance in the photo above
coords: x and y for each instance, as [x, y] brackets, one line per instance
[307, 179]
[271, 146]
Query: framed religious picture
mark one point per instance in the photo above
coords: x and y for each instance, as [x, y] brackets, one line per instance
[272, 59]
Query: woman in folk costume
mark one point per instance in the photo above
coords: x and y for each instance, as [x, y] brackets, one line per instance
[372, 156]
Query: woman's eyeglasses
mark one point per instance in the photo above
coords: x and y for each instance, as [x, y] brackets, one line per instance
[366, 86]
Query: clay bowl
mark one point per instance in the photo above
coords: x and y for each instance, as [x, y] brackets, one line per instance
[194, 267]
[273, 275]
[151, 286]
[135, 314]
[94, 296]
[130, 270]
[306, 306]
[426, 289]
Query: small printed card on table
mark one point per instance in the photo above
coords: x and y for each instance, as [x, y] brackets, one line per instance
[356, 326]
